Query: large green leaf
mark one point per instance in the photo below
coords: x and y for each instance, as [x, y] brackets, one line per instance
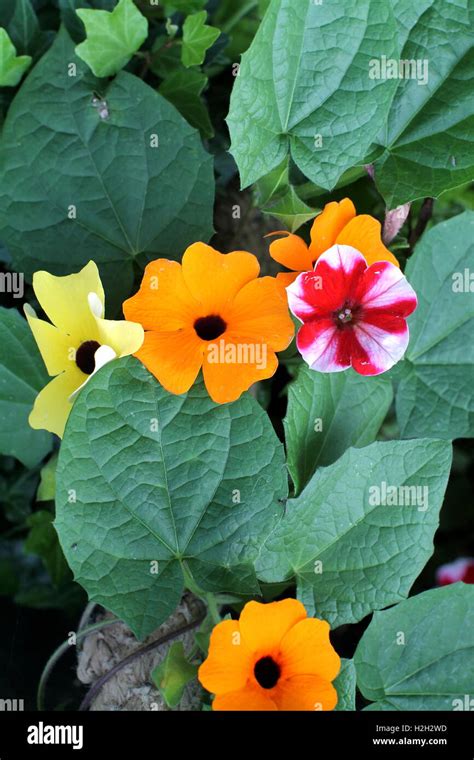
[419, 655]
[176, 480]
[327, 413]
[352, 553]
[428, 134]
[435, 396]
[22, 375]
[112, 37]
[133, 201]
[304, 87]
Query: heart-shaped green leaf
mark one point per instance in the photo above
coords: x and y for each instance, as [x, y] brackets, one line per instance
[152, 486]
[362, 529]
[419, 655]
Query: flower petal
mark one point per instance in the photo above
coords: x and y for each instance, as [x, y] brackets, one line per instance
[174, 358]
[214, 278]
[333, 281]
[229, 663]
[249, 699]
[233, 364]
[65, 300]
[53, 344]
[365, 233]
[307, 650]
[260, 313]
[291, 251]
[124, 337]
[327, 226]
[163, 302]
[263, 626]
[52, 404]
[383, 286]
[324, 347]
[340, 269]
[286, 278]
[305, 693]
[379, 342]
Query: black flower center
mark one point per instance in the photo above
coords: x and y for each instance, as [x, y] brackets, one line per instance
[267, 672]
[209, 328]
[85, 356]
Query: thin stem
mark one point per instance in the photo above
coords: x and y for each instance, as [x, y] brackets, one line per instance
[213, 608]
[208, 597]
[233, 20]
[58, 653]
[97, 686]
[86, 615]
[424, 217]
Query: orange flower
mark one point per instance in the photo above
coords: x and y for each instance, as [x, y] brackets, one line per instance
[273, 658]
[337, 223]
[210, 312]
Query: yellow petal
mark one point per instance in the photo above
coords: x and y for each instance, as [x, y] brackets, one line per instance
[65, 300]
[124, 337]
[52, 404]
[53, 344]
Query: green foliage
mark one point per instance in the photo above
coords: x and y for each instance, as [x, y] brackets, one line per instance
[428, 133]
[20, 21]
[12, 67]
[345, 685]
[112, 37]
[164, 205]
[350, 552]
[22, 375]
[43, 541]
[174, 480]
[198, 37]
[183, 6]
[173, 674]
[17, 489]
[69, 17]
[47, 486]
[183, 89]
[302, 88]
[434, 396]
[354, 77]
[291, 210]
[327, 413]
[418, 655]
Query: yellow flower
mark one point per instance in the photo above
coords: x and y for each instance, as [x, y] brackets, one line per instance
[77, 343]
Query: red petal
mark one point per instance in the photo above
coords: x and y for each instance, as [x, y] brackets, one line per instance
[323, 346]
[333, 282]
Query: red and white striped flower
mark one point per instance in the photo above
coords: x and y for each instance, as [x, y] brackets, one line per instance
[353, 314]
[461, 569]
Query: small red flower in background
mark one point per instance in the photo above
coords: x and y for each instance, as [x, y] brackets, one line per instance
[353, 314]
[461, 569]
